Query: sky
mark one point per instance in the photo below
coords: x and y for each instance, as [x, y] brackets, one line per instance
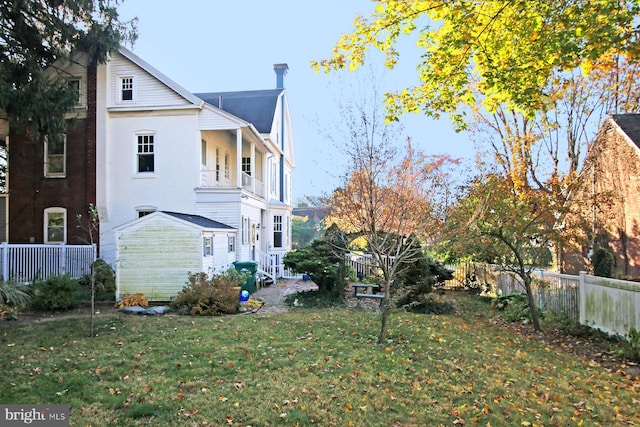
[232, 45]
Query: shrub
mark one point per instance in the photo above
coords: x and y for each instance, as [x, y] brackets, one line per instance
[136, 300]
[13, 298]
[215, 296]
[320, 261]
[603, 262]
[632, 345]
[418, 276]
[105, 281]
[514, 307]
[60, 292]
[14, 294]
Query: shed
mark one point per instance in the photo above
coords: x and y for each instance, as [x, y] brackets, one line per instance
[155, 253]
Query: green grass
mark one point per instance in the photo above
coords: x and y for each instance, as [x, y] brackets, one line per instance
[307, 367]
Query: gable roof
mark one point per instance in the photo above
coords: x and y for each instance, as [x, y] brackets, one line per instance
[255, 106]
[199, 220]
[630, 125]
[160, 76]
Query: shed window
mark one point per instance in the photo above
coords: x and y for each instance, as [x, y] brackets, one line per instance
[232, 243]
[207, 246]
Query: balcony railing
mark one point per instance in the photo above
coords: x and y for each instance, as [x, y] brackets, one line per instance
[227, 179]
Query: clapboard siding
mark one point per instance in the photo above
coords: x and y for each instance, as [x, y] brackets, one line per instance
[211, 118]
[148, 91]
[156, 257]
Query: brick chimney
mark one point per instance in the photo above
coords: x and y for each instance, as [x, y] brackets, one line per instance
[281, 71]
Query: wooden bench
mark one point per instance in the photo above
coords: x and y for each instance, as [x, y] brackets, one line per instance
[367, 290]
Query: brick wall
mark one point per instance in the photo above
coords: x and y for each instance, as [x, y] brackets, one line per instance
[31, 193]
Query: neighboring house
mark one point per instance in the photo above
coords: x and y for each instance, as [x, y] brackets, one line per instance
[142, 143]
[609, 198]
[157, 252]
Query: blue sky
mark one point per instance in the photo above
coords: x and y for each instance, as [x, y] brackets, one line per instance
[228, 45]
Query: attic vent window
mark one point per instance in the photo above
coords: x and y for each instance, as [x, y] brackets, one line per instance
[126, 89]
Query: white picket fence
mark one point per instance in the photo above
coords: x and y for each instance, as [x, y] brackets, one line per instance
[25, 263]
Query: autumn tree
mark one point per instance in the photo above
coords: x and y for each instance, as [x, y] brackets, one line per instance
[35, 36]
[507, 52]
[522, 223]
[385, 202]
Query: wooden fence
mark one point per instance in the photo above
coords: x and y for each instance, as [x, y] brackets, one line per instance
[611, 305]
[26, 263]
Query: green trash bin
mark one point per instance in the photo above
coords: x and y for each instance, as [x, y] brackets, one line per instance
[250, 267]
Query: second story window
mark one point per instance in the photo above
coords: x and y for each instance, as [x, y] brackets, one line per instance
[55, 156]
[246, 165]
[126, 89]
[74, 84]
[145, 152]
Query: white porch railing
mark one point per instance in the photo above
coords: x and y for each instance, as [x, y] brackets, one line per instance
[25, 263]
[210, 178]
[271, 263]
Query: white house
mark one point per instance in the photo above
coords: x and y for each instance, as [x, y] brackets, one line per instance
[225, 156]
[157, 252]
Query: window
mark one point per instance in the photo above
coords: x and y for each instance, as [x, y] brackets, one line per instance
[203, 154]
[227, 166]
[232, 243]
[126, 89]
[277, 231]
[145, 153]
[246, 165]
[74, 84]
[207, 246]
[274, 177]
[245, 230]
[144, 213]
[217, 164]
[55, 225]
[55, 150]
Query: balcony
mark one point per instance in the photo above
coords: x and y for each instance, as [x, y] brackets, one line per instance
[226, 179]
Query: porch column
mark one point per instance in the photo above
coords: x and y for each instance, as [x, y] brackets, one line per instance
[239, 158]
[253, 168]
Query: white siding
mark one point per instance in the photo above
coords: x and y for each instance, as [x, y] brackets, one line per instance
[155, 257]
[148, 91]
[213, 119]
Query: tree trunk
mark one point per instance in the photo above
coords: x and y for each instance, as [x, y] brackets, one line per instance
[532, 304]
[385, 309]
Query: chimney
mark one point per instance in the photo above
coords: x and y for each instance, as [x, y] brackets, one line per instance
[281, 71]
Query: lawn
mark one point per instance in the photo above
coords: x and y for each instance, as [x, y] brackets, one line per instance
[308, 367]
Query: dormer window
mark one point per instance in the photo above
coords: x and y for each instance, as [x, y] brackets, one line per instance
[126, 89]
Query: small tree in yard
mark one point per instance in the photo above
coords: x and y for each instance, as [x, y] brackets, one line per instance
[386, 202]
[511, 228]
